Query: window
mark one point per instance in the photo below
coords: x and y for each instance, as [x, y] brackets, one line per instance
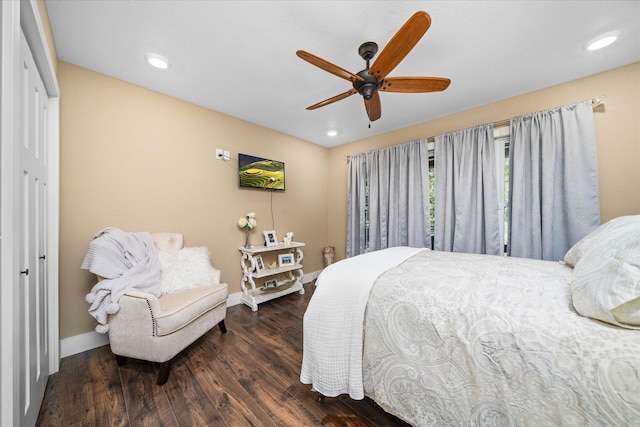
[505, 210]
[501, 138]
[366, 217]
[502, 145]
[432, 194]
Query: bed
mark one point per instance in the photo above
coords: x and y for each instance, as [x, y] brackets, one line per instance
[441, 338]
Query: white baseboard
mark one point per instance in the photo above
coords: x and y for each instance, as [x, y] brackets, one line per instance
[90, 340]
[83, 342]
[310, 276]
[233, 299]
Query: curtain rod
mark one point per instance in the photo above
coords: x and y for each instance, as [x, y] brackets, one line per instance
[595, 102]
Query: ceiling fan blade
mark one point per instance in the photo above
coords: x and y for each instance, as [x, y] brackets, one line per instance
[415, 84]
[400, 44]
[373, 107]
[328, 66]
[332, 99]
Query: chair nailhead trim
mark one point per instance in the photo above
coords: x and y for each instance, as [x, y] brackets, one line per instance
[153, 320]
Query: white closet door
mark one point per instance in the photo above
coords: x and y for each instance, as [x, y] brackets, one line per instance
[33, 290]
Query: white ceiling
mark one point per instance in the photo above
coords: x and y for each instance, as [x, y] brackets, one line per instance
[238, 57]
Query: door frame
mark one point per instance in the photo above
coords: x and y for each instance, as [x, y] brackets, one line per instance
[14, 16]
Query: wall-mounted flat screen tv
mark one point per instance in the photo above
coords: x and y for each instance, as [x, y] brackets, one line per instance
[258, 172]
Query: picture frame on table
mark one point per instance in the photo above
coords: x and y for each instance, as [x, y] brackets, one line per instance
[285, 260]
[270, 238]
[270, 283]
[259, 264]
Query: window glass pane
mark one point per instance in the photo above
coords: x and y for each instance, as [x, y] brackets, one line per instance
[506, 195]
[366, 217]
[432, 196]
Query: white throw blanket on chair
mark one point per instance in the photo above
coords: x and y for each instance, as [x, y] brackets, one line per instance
[126, 261]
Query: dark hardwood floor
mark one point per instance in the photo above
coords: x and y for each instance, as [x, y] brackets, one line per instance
[249, 376]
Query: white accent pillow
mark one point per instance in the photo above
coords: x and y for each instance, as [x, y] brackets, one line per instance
[606, 273]
[186, 268]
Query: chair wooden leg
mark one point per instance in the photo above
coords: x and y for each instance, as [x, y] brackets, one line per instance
[121, 360]
[163, 375]
[222, 327]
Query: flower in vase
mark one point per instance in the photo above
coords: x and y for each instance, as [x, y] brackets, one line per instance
[248, 222]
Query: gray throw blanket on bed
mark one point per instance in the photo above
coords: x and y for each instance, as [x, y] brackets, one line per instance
[125, 261]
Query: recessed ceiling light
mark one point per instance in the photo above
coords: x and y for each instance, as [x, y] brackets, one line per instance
[332, 132]
[603, 40]
[157, 61]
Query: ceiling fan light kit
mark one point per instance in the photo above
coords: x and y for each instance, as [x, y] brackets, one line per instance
[373, 79]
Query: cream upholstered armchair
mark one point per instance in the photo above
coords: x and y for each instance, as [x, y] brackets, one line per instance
[157, 329]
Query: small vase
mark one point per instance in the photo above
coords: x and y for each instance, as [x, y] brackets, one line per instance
[247, 244]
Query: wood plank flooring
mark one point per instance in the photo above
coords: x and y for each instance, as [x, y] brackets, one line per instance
[249, 376]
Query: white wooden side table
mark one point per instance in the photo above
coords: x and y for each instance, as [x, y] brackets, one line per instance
[291, 273]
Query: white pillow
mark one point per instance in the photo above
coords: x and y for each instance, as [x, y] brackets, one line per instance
[606, 275]
[186, 268]
[591, 240]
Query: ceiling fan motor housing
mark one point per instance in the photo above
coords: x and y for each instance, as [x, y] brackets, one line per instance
[367, 87]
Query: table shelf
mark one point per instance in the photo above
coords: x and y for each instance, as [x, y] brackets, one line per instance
[253, 295]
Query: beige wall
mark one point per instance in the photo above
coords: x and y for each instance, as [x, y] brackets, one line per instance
[617, 134]
[46, 26]
[138, 160]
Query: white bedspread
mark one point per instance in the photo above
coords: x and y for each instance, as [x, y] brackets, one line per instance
[476, 340]
[333, 321]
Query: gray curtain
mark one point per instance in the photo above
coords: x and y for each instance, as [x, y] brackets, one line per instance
[467, 210]
[395, 181]
[356, 205]
[398, 179]
[554, 198]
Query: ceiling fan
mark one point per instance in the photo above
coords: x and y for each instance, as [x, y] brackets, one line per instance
[371, 80]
